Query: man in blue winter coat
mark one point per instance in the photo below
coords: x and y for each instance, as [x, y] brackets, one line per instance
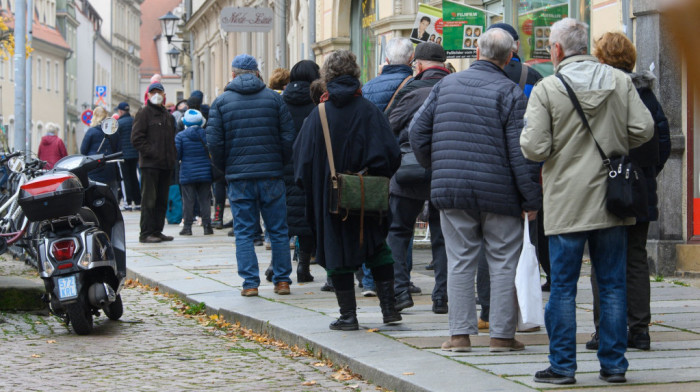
[250, 133]
[398, 71]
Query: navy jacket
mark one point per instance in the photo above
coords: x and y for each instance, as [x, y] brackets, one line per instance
[298, 99]
[380, 89]
[126, 122]
[250, 131]
[194, 163]
[96, 142]
[468, 131]
[515, 68]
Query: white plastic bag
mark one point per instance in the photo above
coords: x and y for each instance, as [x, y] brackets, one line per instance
[527, 285]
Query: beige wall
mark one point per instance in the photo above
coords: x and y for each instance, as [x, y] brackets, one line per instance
[606, 15]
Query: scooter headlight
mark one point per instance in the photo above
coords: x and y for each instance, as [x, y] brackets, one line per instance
[48, 267]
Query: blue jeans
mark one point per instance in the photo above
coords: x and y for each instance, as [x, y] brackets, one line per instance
[249, 199]
[608, 251]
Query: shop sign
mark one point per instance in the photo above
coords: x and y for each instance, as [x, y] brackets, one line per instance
[463, 26]
[535, 28]
[246, 19]
[428, 25]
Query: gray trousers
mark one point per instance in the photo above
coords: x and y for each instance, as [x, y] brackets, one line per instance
[501, 236]
[199, 192]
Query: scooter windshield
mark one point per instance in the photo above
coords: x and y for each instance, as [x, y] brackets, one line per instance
[70, 162]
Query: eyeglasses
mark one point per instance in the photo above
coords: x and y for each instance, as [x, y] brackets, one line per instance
[548, 48]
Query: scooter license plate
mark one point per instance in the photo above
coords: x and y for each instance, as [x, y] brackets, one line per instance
[67, 287]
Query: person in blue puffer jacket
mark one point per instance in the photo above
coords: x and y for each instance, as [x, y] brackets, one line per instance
[399, 55]
[97, 142]
[195, 171]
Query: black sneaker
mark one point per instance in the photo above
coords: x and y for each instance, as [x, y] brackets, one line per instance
[548, 376]
[413, 289]
[593, 343]
[547, 286]
[431, 265]
[612, 377]
[640, 341]
[440, 306]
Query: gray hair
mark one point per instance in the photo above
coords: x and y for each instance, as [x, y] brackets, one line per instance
[339, 63]
[496, 45]
[239, 71]
[51, 127]
[571, 34]
[399, 51]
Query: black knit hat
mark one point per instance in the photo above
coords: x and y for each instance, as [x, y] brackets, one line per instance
[430, 51]
[508, 28]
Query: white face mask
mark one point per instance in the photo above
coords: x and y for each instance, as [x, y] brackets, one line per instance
[156, 99]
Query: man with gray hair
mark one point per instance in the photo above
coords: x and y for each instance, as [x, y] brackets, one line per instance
[575, 183]
[396, 73]
[468, 133]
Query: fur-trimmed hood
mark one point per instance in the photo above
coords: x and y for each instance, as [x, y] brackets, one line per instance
[644, 79]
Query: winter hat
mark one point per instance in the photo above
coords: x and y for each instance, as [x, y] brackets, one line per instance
[193, 117]
[506, 27]
[156, 86]
[245, 61]
[195, 99]
[430, 51]
[123, 106]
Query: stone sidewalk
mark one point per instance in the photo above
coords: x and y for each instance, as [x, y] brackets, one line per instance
[406, 357]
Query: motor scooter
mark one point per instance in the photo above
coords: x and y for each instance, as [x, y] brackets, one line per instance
[80, 242]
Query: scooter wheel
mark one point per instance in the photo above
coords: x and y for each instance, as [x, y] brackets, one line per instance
[80, 318]
[114, 310]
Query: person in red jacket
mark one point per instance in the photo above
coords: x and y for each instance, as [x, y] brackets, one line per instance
[51, 148]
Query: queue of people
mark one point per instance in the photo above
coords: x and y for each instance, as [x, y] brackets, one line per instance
[485, 148]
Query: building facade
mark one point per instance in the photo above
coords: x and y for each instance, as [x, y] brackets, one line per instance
[126, 51]
[67, 24]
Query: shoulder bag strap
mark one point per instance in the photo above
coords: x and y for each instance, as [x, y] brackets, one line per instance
[579, 110]
[327, 137]
[523, 76]
[211, 161]
[397, 91]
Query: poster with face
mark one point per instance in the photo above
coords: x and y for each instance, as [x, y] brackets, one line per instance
[428, 25]
[463, 26]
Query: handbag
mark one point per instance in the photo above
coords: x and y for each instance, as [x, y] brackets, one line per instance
[410, 172]
[354, 193]
[527, 285]
[626, 194]
[216, 174]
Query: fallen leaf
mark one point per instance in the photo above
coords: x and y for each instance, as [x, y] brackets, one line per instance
[354, 386]
[308, 383]
[408, 373]
[218, 359]
[214, 317]
[342, 375]
[50, 341]
[189, 277]
[310, 292]
[319, 364]
[372, 330]
[213, 272]
[36, 356]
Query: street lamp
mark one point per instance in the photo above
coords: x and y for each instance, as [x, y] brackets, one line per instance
[173, 57]
[167, 25]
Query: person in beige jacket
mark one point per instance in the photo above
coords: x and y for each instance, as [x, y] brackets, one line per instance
[574, 186]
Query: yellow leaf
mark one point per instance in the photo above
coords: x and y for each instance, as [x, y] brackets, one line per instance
[310, 292]
[408, 373]
[308, 383]
[372, 330]
[189, 277]
[218, 360]
[319, 364]
[36, 356]
[50, 341]
[214, 317]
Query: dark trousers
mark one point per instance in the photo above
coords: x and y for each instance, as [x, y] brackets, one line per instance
[306, 244]
[638, 287]
[131, 181]
[154, 200]
[404, 212]
[220, 192]
[197, 193]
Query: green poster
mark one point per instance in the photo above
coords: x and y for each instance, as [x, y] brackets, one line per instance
[428, 25]
[462, 27]
[534, 27]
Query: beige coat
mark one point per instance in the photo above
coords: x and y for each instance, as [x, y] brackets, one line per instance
[574, 178]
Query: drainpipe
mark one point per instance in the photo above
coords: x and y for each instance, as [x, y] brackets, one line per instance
[312, 29]
[281, 13]
[28, 83]
[20, 75]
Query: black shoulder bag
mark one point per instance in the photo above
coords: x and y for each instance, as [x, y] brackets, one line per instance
[626, 196]
[216, 174]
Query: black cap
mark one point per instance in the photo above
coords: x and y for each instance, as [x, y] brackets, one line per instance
[505, 26]
[123, 106]
[430, 51]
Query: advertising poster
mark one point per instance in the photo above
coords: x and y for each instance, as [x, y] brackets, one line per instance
[368, 40]
[462, 27]
[428, 25]
[535, 28]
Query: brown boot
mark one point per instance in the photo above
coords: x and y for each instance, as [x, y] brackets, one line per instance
[503, 345]
[457, 344]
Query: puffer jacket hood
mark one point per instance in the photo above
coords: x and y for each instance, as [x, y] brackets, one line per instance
[342, 90]
[380, 89]
[593, 83]
[297, 93]
[246, 84]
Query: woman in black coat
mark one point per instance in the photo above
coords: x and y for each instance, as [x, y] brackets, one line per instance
[97, 142]
[361, 138]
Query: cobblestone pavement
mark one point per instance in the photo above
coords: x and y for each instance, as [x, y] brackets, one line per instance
[152, 348]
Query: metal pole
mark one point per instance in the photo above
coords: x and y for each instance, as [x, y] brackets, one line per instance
[312, 29]
[281, 13]
[29, 128]
[20, 74]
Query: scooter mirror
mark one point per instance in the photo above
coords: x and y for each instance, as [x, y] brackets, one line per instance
[109, 126]
[16, 164]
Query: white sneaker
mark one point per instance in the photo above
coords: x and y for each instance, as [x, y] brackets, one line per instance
[369, 293]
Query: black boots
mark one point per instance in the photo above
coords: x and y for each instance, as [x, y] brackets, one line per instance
[387, 301]
[186, 230]
[218, 222]
[348, 312]
[208, 230]
[269, 273]
[303, 272]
